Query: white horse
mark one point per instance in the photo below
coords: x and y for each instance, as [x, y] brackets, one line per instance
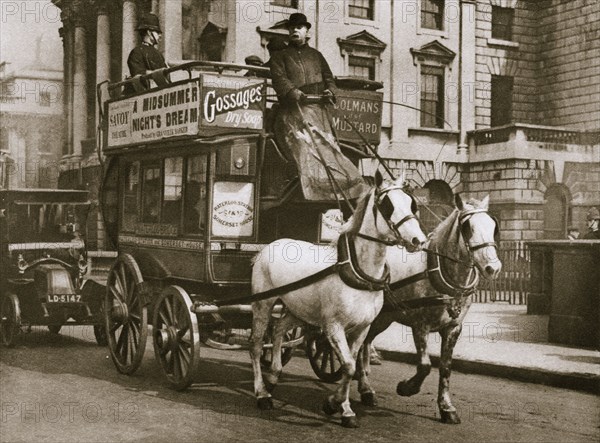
[431, 292]
[384, 216]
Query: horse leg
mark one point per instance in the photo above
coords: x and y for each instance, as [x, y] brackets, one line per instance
[363, 363]
[261, 312]
[280, 327]
[363, 369]
[448, 412]
[347, 356]
[412, 386]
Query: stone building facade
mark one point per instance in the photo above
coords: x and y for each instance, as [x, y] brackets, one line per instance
[535, 149]
[31, 121]
[509, 86]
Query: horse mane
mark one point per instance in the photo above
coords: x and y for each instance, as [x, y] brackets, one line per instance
[439, 237]
[353, 225]
[448, 228]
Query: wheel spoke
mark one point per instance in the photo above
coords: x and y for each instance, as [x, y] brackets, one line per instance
[163, 317]
[114, 328]
[331, 370]
[121, 341]
[123, 278]
[318, 352]
[170, 363]
[115, 291]
[324, 362]
[186, 355]
[169, 311]
[176, 365]
[118, 283]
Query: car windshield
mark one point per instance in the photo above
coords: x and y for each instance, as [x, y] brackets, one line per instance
[49, 222]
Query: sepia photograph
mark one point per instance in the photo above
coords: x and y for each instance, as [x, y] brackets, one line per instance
[299, 220]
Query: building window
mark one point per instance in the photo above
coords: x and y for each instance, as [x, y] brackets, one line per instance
[286, 3]
[432, 14]
[501, 98]
[502, 22]
[361, 67]
[361, 9]
[432, 97]
[212, 42]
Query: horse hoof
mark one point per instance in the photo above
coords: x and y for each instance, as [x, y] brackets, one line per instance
[405, 389]
[328, 409]
[350, 422]
[265, 403]
[368, 399]
[450, 417]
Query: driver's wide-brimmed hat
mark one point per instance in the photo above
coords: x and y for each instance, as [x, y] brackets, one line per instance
[149, 22]
[298, 19]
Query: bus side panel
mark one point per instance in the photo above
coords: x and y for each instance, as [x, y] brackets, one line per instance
[169, 263]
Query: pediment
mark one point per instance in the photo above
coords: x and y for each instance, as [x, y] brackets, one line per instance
[362, 40]
[433, 51]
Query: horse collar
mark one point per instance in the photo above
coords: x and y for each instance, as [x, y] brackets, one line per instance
[350, 271]
[442, 285]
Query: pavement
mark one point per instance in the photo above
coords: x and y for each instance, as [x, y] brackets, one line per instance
[501, 340]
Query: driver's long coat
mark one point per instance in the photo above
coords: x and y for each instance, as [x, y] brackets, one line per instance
[300, 67]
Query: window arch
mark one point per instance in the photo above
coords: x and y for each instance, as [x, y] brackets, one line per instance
[440, 203]
[557, 211]
[212, 43]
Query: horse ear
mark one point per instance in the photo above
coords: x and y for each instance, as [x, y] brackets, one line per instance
[485, 203]
[458, 201]
[378, 178]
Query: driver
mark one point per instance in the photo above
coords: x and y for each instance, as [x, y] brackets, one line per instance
[299, 70]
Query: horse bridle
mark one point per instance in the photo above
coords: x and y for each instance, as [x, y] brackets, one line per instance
[385, 207]
[464, 218]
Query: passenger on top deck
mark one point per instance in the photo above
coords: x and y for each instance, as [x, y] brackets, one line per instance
[145, 58]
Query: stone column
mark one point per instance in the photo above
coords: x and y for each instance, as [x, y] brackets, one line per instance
[171, 24]
[467, 72]
[66, 33]
[80, 111]
[102, 48]
[129, 37]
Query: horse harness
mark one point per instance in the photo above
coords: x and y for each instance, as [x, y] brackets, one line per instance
[452, 295]
[347, 265]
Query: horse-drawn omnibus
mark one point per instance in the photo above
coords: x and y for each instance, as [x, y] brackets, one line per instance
[43, 262]
[194, 186]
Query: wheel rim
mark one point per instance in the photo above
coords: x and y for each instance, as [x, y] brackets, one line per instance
[126, 317]
[322, 359]
[286, 353]
[176, 337]
[11, 319]
[100, 335]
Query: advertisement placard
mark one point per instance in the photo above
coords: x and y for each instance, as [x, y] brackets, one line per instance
[364, 110]
[232, 102]
[233, 209]
[156, 115]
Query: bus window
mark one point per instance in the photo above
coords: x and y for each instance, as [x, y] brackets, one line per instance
[195, 195]
[130, 196]
[171, 211]
[151, 194]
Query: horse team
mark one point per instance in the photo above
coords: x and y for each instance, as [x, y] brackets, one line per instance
[427, 284]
